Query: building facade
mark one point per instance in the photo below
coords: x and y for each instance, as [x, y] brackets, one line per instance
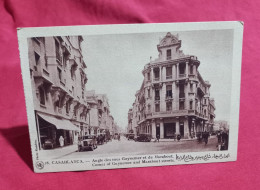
[58, 78]
[101, 120]
[173, 98]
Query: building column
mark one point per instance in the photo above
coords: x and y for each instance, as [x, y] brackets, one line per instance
[176, 96]
[173, 72]
[162, 97]
[177, 71]
[186, 91]
[186, 128]
[153, 129]
[194, 70]
[187, 69]
[152, 74]
[161, 129]
[177, 126]
[160, 78]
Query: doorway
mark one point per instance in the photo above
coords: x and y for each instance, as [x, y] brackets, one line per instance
[182, 129]
[169, 130]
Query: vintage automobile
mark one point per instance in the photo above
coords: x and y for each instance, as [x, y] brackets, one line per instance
[88, 142]
[130, 136]
[49, 143]
[143, 137]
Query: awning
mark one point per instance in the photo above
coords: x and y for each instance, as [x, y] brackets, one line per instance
[59, 123]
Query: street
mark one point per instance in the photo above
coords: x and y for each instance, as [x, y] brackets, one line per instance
[130, 147]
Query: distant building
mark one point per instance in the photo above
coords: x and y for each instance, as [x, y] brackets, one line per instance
[221, 125]
[173, 98]
[101, 121]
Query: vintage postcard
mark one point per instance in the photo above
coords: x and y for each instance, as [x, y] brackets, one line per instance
[138, 95]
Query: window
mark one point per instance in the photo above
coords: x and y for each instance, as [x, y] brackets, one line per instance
[169, 106]
[42, 95]
[169, 91]
[148, 76]
[57, 49]
[59, 73]
[191, 87]
[181, 88]
[156, 74]
[65, 58]
[72, 71]
[149, 93]
[157, 94]
[67, 107]
[169, 54]
[168, 72]
[149, 108]
[205, 101]
[157, 107]
[73, 90]
[181, 104]
[37, 59]
[191, 105]
[191, 69]
[182, 68]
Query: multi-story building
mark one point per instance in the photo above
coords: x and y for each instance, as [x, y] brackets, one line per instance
[58, 82]
[101, 121]
[173, 98]
[130, 121]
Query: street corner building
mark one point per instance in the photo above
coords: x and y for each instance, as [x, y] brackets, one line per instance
[173, 98]
[63, 108]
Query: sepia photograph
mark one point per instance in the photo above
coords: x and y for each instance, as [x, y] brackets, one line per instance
[154, 97]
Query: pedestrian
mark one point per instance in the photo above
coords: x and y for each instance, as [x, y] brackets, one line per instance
[157, 137]
[174, 136]
[61, 140]
[178, 137]
[200, 137]
[206, 137]
[219, 137]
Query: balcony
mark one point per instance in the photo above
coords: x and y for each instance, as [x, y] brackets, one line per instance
[174, 113]
[66, 48]
[169, 77]
[182, 76]
[168, 97]
[156, 79]
[169, 57]
[157, 97]
[201, 89]
[192, 76]
[192, 112]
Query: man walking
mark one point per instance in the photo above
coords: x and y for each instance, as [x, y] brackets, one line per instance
[157, 137]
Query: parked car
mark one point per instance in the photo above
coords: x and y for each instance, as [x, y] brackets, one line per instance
[49, 143]
[130, 136]
[88, 142]
[144, 137]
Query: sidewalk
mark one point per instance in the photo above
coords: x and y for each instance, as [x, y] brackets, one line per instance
[57, 152]
[172, 140]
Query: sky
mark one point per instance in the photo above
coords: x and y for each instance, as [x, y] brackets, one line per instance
[115, 62]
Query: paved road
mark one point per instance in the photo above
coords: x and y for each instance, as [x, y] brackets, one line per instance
[125, 147]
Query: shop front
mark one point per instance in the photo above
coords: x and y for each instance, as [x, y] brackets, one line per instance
[54, 132]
